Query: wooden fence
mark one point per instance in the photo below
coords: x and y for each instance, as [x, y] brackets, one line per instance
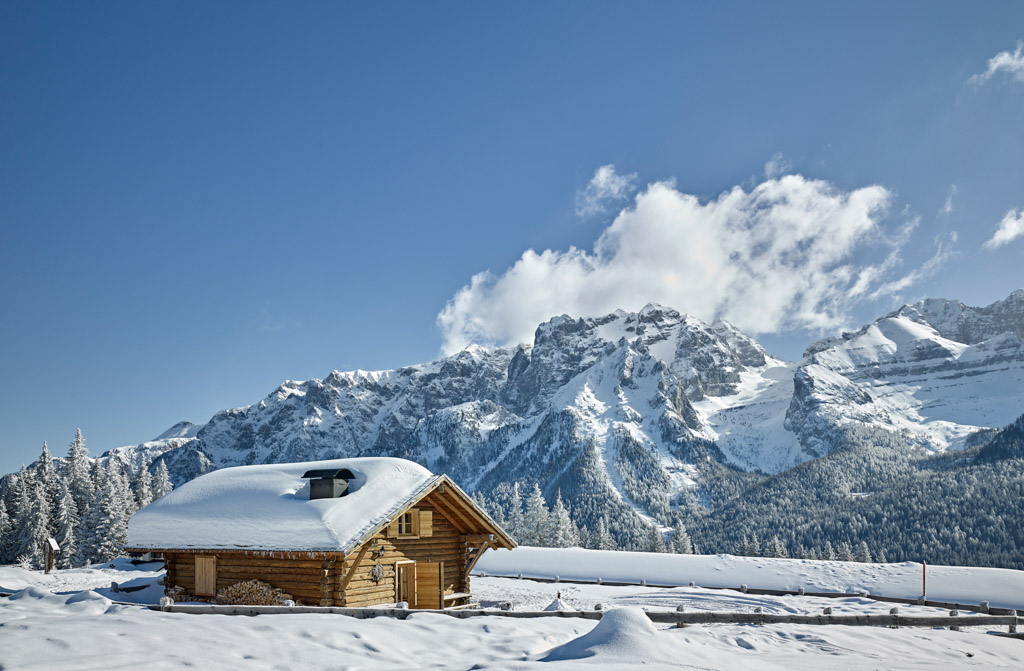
[661, 617]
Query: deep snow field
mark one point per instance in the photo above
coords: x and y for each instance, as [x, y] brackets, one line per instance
[57, 622]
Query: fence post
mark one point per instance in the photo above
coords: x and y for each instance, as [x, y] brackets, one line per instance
[924, 580]
[954, 613]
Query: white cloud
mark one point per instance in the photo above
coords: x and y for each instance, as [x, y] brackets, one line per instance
[777, 166]
[1010, 228]
[945, 250]
[604, 188]
[777, 257]
[947, 207]
[1005, 62]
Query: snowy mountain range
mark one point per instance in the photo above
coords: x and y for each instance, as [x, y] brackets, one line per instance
[638, 410]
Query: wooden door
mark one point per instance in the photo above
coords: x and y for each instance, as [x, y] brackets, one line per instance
[405, 583]
[429, 584]
[206, 576]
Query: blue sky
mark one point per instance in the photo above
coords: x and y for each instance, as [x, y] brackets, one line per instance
[201, 200]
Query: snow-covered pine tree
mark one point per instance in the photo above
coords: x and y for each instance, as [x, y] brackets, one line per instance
[776, 548]
[535, 519]
[143, 484]
[828, 552]
[46, 476]
[67, 521]
[21, 483]
[863, 553]
[681, 543]
[844, 552]
[602, 538]
[5, 533]
[514, 519]
[161, 481]
[115, 505]
[755, 546]
[79, 473]
[89, 532]
[563, 532]
[124, 488]
[33, 521]
[655, 540]
[880, 557]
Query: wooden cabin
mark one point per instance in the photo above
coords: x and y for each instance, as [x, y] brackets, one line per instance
[345, 532]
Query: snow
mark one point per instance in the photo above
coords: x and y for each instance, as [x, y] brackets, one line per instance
[45, 631]
[96, 577]
[267, 507]
[749, 425]
[622, 635]
[1000, 587]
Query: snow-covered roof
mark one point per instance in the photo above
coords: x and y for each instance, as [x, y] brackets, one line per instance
[267, 507]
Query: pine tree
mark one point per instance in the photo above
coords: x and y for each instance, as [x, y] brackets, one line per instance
[515, 513]
[535, 519]
[844, 552]
[113, 512]
[863, 552]
[89, 534]
[681, 543]
[655, 540]
[46, 476]
[143, 484]
[33, 523]
[162, 481]
[563, 533]
[828, 552]
[6, 527]
[880, 557]
[79, 473]
[776, 548]
[123, 484]
[67, 521]
[755, 546]
[602, 538]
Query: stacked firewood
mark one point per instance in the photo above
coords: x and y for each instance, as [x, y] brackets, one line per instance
[252, 593]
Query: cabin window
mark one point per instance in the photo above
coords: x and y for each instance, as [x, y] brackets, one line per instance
[413, 523]
[407, 524]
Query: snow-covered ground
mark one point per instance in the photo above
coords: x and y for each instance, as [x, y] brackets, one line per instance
[75, 628]
[959, 584]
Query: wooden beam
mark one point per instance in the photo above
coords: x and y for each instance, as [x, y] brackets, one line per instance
[462, 524]
[355, 565]
[475, 558]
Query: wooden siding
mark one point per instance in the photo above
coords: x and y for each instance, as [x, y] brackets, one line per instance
[332, 579]
[444, 545]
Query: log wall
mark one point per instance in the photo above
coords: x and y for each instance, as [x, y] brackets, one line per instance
[308, 581]
[316, 579]
[445, 544]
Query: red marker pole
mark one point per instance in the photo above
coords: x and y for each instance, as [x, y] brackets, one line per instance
[924, 579]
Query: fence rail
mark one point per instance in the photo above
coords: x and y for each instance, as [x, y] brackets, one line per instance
[661, 617]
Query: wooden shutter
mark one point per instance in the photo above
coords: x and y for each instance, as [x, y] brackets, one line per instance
[429, 584]
[392, 529]
[426, 523]
[206, 576]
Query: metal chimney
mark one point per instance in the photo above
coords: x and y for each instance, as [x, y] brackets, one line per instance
[328, 483]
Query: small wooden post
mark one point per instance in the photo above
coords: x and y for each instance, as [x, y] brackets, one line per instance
[924, 579]
[50, 550]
